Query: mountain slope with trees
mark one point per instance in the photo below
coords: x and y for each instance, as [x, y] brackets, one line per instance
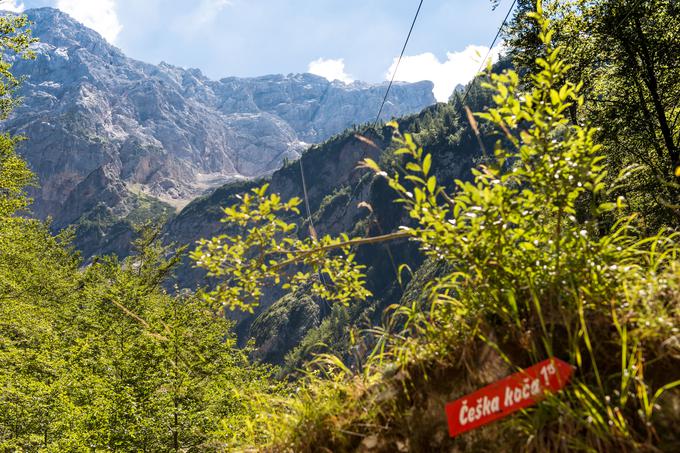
[445, 251]
[343, 199]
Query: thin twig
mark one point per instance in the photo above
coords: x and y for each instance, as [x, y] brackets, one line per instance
[302, 254]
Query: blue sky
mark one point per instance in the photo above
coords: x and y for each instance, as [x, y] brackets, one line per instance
[339, 39]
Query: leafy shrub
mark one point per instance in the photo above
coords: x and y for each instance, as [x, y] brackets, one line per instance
[534, 270]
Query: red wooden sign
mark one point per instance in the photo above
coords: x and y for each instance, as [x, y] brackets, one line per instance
[508, 395]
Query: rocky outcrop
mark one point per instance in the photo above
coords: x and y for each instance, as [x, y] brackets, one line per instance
[102, 127]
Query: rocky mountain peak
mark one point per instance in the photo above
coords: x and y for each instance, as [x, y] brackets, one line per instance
[60, 30]
[99, 123]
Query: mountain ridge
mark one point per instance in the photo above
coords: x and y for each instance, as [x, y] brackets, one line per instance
[104, 129]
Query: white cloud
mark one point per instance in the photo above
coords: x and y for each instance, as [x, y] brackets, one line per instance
[330, 69]
[100, 15]
[12, 5]
[207, 10]
[459, 68]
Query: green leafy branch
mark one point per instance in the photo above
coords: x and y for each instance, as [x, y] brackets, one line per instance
[265, 251]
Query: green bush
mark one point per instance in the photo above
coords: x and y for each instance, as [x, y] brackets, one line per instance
[535, 268]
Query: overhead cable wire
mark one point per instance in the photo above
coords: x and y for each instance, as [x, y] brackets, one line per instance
[488, 53]
[377, 120]
[396, 68]
[312, 229]
[302, 170]
[382, 105]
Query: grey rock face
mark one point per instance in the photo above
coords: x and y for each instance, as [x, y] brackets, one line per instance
[101, 126]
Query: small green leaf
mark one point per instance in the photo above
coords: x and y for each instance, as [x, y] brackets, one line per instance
[427, 163]
[606, 207]
[431, 183]
[554, 97]
[412, 166]
[370, 163]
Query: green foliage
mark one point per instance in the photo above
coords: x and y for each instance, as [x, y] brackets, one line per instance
[147, 209]
[630, 90]
[168, 376]
[15, 39]
[14, 177]
[530, 274]
[331, 337]
[35, 277]
[14, 174]
[102, 358]
[247, 262]
[105, 359]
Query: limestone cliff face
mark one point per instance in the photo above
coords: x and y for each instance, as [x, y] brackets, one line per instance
[102, 127]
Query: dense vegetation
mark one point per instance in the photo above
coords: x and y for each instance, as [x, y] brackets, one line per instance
[103, 358]
[561, 243]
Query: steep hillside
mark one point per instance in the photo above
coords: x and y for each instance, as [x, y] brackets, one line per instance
[343, 199]
[106, 131]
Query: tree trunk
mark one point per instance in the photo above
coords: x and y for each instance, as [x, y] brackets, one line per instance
[653, 86]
